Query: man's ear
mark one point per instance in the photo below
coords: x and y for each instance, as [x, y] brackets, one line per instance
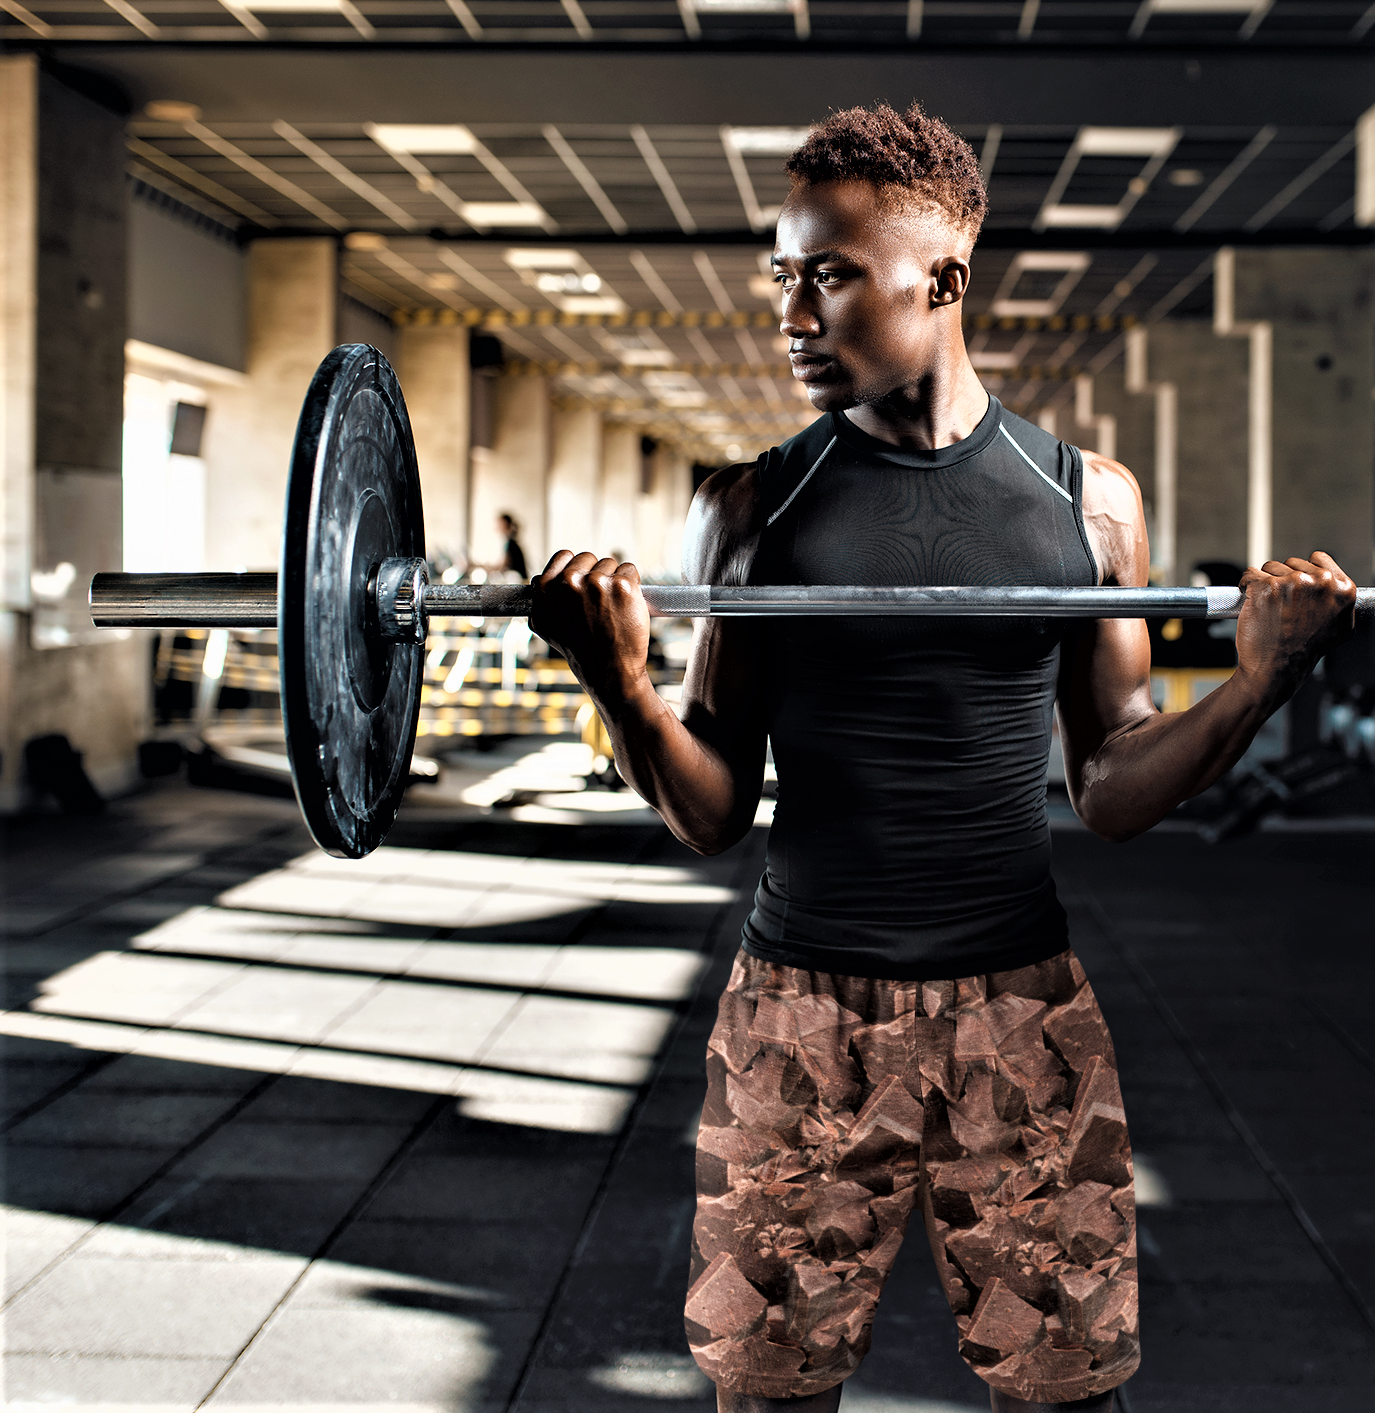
[952, 279]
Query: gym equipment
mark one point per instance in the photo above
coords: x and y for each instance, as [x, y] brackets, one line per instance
[187, 601]
[351, 602]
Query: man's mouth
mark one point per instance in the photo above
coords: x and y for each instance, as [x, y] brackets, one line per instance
[809, 366]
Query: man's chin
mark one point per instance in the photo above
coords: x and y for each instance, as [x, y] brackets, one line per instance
[830, 397]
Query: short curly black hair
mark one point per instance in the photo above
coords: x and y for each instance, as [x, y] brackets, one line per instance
[900, 152]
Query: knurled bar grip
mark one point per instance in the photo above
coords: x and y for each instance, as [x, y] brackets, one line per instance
[250, 601]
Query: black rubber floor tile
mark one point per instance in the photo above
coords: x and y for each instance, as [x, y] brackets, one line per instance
[80, 1182]
[151, 1074]
[285, 1215]
[517, 1264]
[326, 1101]
[605, 1310]
[455, 1188]
[86, 1119]
[1218, 1244]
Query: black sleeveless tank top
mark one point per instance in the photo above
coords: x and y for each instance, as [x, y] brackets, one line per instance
[910, 836]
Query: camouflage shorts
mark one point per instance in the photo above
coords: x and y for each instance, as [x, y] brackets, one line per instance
[836, 1104]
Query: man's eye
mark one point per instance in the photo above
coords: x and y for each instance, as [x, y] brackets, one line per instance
[782, 279]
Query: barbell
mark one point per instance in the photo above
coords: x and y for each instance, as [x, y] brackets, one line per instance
[351, 602]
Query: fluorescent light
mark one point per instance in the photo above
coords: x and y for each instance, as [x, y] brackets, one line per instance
[744, 7]
[294, 6]
[1126, 142]
[992, 361]
[502, 213]
[1206, 7]
[544, 260]
[1072, 263]
[1105, 218]
[767, 142]
[590, 304]
[419, 138]
[1052, 260]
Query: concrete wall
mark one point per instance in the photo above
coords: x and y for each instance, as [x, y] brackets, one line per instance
[432, 364]
[292, 306]
[1133, 416]
[1212, 378]
[188, 282]
[64, 308]
[357, 323]
[1321, 306]
[511, 476]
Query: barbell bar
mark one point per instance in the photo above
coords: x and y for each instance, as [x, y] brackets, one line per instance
[250, 601]
[350, 602]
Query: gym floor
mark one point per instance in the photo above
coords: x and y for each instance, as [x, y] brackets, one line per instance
[415, 1133]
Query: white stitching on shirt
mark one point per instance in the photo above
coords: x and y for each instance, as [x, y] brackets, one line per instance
[1054, 485]
[804, 481]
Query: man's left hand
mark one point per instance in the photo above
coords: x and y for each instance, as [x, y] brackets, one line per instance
[1292, 614]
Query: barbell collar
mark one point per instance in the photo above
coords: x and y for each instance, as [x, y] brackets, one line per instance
[399, 587]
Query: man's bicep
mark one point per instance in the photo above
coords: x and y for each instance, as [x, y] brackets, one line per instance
[1104, 685]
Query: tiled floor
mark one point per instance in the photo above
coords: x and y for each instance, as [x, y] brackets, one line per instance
[415, 1133]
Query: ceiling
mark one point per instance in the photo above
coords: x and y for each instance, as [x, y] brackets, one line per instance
[982, 23]
[595, 181]
[649, 180]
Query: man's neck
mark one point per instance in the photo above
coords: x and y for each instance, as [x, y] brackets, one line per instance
[938, 409]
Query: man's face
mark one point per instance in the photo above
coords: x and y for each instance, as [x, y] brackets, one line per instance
[870, 289]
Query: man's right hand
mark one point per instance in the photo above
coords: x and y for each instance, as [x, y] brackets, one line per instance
[592, 610]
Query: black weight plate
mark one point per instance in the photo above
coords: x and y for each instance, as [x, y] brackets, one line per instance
[350, 701]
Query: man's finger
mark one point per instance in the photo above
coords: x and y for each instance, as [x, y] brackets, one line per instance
[1325, 561]
[627, 573]
[558, 561]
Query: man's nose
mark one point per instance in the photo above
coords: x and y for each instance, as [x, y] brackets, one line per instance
[798, 320]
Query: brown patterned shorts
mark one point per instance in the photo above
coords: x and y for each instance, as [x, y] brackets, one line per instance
[836, 1104]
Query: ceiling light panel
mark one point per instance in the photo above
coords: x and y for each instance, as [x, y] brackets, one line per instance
[766, 142]
[503, 215]
[420, 139]
[1100, 148]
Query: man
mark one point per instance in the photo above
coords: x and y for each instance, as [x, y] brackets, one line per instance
[906, 1030]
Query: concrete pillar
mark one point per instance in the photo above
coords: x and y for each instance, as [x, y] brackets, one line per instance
[63, 272]
[661, 511]
[1309, 320]
[621, 473]
[674, 486]
[432, 364]
[1212, 381]
[575, 479]
[292, 302]
[510, 476]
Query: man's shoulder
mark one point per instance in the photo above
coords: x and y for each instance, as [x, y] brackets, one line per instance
[732, 505]
[1043, 447]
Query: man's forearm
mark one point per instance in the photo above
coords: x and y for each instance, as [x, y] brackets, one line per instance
[1140, 773]
[687, 780]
